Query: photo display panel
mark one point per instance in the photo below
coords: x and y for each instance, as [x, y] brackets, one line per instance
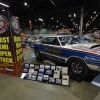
[46, 73]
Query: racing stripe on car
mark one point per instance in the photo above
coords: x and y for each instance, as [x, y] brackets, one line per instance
[76, 50]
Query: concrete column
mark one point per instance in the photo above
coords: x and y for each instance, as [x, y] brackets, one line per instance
[81, 23]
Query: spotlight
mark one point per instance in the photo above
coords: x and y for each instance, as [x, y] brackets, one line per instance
[74, 15]
[69, 15]
[94, 12]
[40, 19]
[25, 4]
[3, 10]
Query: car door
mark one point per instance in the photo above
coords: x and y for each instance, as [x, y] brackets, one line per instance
[51, 49]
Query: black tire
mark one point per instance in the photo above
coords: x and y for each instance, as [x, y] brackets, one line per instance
[77, 67]
[39, 57]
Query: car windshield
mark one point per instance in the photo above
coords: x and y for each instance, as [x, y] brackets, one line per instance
[68, 40]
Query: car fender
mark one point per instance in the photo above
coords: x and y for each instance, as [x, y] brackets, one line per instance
[75, 57]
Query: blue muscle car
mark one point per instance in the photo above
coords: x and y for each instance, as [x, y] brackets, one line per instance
[79, 57]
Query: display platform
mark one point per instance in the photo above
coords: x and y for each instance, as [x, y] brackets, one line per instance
[96, 81]
[46, 73]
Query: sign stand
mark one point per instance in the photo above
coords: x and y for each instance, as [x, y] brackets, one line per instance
[11, 53]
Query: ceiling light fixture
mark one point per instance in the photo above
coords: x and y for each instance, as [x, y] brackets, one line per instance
[25, 4]
[35, 20]
[94, 12]
[56, 26]
[71, 19]
[3, 10]
[43, 24]
[16, 17]
[57, 21]
[91, 17]
[40, 19]
[52, 18]
[4, 4]
[69, 15]
[74, 15]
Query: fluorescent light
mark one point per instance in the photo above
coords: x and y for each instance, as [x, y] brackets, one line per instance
[4, 4]
[25, 4]
[40, 19]
[3, 10]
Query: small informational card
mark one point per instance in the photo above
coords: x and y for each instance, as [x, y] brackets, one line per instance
[41, 70]
[47, 66]
[28, 76]
[33, 78]
[45, 77]
[31, 70]
[36, 67]
[65, 70]
[65, 80]
[58, 81]
[41, 66]
[40, 74]
[25, 70]
[27, 65]
[35, 72]
[51, 80]
[31, 65]
[56, 74]
[49, 72]
[23, 76]
[59, 68]
[39, 78]
[53, 67]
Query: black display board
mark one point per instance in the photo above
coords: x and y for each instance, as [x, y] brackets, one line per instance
[46, 73]
[11, 53]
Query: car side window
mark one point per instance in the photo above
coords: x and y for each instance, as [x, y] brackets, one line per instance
[51, 40]
[48, 40]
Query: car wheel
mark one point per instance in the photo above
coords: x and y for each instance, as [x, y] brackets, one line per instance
[78, 67]
[39, 57]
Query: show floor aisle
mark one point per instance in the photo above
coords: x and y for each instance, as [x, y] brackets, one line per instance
[13, 88]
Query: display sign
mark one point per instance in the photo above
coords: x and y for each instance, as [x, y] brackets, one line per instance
[46, 73]
[11, 54]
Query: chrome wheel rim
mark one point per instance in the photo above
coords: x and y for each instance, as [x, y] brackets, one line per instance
[76, 67]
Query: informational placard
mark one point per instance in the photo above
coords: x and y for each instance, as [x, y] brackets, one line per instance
[45, 73]
[11, 54]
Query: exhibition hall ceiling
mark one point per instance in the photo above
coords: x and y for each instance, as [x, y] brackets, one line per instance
[55, 13]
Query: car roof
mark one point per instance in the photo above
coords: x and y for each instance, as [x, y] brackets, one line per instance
[57, 36]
